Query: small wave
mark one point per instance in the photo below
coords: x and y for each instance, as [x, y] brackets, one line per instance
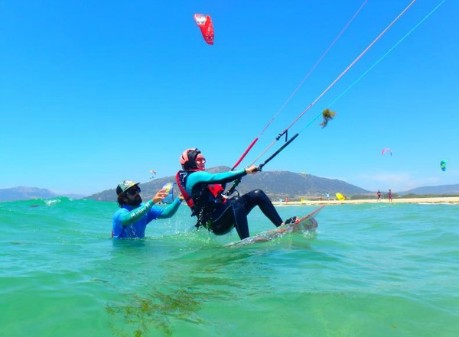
[50, 202]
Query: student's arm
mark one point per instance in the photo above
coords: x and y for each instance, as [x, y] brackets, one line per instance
[213, 178]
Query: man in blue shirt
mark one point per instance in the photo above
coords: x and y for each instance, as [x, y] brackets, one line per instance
[133, 216]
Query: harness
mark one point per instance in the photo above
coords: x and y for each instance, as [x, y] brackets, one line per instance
[204, 199]
[181, 178]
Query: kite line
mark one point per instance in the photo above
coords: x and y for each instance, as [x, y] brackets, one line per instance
[285, 131]
[388, 52]
[378, 60]
[311, 70]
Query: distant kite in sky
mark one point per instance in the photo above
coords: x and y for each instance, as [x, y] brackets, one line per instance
[204, 23]
[153, 174]
[386, 150]
[443, 165]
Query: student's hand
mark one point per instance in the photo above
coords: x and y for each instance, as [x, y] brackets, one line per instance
[160, 195]
[251, 169]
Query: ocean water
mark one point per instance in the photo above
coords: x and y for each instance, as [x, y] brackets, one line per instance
[370, 270]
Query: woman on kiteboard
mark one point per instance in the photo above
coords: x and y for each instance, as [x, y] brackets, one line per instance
[203, 192]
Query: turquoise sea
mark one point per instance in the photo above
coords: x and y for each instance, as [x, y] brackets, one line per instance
[371, 270]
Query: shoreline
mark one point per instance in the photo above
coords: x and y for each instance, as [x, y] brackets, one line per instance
[430, 200]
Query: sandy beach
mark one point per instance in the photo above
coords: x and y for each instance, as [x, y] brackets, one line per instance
[431, 200]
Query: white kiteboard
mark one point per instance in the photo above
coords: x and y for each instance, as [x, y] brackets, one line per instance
[307, 223]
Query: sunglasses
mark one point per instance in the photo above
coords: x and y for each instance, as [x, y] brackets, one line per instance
[133, 191]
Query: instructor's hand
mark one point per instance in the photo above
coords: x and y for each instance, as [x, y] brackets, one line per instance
[160, 195]
[251, 169]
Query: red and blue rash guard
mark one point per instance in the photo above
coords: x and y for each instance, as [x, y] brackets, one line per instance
[202, 191]
[200, 177]
[130, 221]
[220, 216]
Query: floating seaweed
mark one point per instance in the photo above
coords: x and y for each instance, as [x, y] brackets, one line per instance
[327, 115]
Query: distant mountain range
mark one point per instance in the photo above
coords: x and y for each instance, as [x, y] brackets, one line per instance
[434, 190]
[23, 193]
[277, 184]
[26, 193]
[283, 184]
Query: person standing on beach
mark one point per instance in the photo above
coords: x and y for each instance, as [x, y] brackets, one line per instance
[378, 194]
[389, 195]
[133, 216]
[203, 192]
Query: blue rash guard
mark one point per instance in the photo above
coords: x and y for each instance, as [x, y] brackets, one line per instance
[130, 221]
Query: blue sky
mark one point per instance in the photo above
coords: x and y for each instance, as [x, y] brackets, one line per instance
[94, 92]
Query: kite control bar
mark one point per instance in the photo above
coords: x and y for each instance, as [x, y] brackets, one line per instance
[260, 167]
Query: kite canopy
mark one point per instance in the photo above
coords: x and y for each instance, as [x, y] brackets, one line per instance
[340, 196]
[443, 165]
[204, 23]
[386, 150]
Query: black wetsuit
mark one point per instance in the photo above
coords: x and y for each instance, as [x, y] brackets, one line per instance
[220, 215]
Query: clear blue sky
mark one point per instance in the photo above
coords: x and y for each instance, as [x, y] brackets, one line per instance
[94, 92]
